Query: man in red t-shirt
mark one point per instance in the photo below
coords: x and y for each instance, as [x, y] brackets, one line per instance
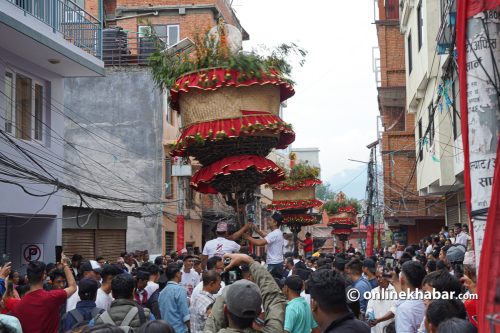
[39, 310]
[307, 243]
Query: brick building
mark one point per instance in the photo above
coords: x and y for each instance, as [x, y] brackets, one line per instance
[408, 215]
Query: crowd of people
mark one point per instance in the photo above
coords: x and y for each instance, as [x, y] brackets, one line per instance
[225, 290]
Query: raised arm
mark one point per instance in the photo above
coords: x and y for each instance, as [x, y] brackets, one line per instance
[237, 235]
[256, 242]
[71, 289]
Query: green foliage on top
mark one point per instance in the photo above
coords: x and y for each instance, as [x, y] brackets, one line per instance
[213, 52]
[303, 171]
[332, 206]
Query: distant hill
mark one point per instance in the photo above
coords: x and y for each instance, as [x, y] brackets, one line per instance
[351, 181]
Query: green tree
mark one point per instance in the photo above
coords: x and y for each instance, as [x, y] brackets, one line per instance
[324, 192]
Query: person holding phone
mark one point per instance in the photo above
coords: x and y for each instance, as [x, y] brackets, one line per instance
[4, 274]
[381, 309]
[38, 310]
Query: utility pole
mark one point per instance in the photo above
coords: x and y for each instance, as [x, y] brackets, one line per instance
[370, 189]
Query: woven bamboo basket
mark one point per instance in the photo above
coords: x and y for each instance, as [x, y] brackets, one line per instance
[306, 193]
[228, 102]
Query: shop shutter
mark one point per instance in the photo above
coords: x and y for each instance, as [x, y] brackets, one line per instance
[464, 216]
[110, 243]
[79, 241]
[451, 215]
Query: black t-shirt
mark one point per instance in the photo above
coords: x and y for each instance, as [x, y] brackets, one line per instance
[347, 324]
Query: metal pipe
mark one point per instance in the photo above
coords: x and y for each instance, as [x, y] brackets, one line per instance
[155, 13]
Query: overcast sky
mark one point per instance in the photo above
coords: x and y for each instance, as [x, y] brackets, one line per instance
[335, 105]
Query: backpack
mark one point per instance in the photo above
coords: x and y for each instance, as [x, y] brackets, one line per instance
[125, 324]
[80, 321]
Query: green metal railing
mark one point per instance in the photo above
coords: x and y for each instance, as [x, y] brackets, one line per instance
[73, 22]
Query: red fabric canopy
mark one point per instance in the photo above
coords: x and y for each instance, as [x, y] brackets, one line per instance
[246, 125]
[202, 180]
[213, 79]
[285, 186]
[294, 204]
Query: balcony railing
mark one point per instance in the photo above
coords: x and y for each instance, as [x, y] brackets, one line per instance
[64, 16]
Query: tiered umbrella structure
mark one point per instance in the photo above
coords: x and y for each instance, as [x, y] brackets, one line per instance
[231, 123]
[295, 197]
[343, 219]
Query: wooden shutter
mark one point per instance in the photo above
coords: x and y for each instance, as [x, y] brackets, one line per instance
[79, 241]
[464, 215]
[110, 243]
[451, 215]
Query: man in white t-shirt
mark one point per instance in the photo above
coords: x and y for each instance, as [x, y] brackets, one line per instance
[273, 240]
[190, 277]
[222, 244]
[104, 298]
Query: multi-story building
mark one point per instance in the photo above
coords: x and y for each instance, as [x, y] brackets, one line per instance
[308, 156]
[433, 97]
[41, 44]
[410, 217]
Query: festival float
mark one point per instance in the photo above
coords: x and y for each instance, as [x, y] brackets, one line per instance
[295, 197]
[343, 217]
[229, 102]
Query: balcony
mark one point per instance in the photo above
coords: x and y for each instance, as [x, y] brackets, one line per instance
[66, 17]
[57, 35]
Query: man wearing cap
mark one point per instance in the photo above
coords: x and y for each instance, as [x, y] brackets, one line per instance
[243, 301]
[88, 270]
[369, 270]
[273, 240]
[222, 244]
[86, 308]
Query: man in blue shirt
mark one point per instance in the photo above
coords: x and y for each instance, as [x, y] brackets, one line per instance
[355, 269]
[4, 274]
[298, 315]
[173, 300]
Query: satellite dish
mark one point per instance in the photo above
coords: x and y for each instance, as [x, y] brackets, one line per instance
[234, 37]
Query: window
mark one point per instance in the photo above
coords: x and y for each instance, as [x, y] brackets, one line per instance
[169, 241]
[9, 103]
[169, 34]
[430, 110]
[24, 106]
[410, 65]
[168, 177]
[420, 143]
[420, 25]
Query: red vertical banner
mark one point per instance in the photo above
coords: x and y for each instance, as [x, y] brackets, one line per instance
[369, 239]
[180, 233]
[476, 42]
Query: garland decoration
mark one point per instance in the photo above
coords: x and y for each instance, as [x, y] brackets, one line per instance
[294, 204]
[303, 219]
[236, 174]
[201, 133]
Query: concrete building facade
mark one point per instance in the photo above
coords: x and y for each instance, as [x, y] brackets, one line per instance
[37, 52]
[433, 98]
[410, 216]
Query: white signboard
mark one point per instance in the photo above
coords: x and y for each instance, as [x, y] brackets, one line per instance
[482, 48]
[31, 252]
[483, 56]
